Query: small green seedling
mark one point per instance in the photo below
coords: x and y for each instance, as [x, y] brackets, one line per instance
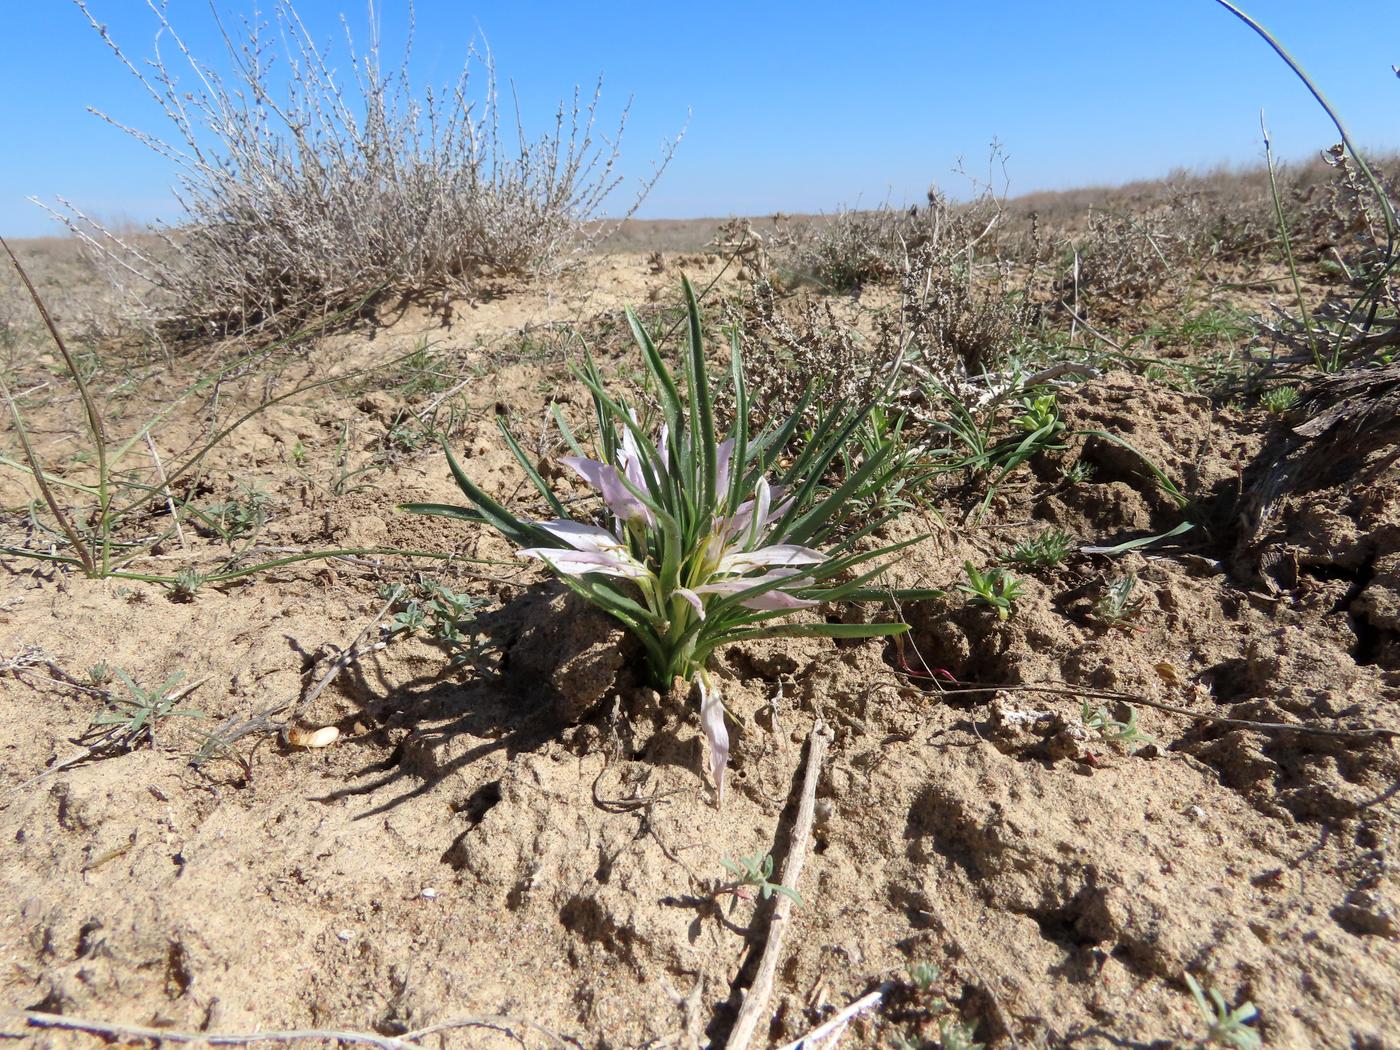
[1044, 551]
[409, 620]
[1225, 1026]
[756, 871]
[953, 1035]
[1041, 416]
[1280, 400]
[1118, 606]
[244, 515]
[1077, 473]
[187, 584]
[135, 719]
[99, 675]
[996, 588]
[1097, 719]
[924, 975]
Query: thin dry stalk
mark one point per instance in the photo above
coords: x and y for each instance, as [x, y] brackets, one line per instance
[407, 1041]
[756, 999]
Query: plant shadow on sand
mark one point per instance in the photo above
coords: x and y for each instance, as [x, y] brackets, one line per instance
[538, 665]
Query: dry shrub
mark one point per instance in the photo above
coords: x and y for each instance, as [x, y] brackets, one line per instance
[953, 315]
[305, 194]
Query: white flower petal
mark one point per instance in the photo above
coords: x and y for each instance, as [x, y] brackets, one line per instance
[777, 554]
[583, 563]
[724, 455]
[742, 583]
[771, 601]
[580, 536]
[606, 479]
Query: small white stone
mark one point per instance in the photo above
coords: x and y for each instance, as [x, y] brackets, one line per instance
[345, 935]
[429, 893]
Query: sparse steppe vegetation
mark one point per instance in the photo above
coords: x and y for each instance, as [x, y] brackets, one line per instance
[1102, 753]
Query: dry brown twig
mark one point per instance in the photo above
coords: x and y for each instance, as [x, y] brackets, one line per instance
[1066, 689]
[407, 1041]
[756, 999]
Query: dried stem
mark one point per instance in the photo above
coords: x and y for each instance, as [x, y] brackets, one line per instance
[756, 999]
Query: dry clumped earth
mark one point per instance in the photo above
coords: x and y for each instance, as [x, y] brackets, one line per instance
[526, 831]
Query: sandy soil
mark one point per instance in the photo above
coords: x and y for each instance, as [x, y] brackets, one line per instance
[525, 831]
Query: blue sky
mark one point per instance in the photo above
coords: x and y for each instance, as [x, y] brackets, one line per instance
[793, 107]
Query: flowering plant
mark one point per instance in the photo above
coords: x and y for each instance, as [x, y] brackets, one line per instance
[699, 548]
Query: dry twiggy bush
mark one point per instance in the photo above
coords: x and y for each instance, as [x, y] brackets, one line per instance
[306, 194]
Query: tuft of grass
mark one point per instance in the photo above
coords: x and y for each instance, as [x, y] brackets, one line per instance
[1279, 400]
[1045, 550]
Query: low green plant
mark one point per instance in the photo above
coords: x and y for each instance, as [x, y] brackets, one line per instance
[756, 872]
[237, 518]
[1118, 606]
[1225, 1026]
[924, 975]
[130, 720]
[1036, 429]
[1098, 720]
[1279, 400]
[698, 549]
[1045, 550]
[432, 608]
[995, 588]
[186, 584]
[1077, 473]
[954, 1035]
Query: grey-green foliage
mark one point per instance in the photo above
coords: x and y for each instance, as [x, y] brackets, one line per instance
[242, 516]
[1118, 606]
[756, 871]
[1098, 720]
[1225, 1026]
[433, 608]
[130, 720]
[1045, 550]
[954, 1035]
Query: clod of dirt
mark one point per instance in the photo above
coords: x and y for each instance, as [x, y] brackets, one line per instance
[568, 649]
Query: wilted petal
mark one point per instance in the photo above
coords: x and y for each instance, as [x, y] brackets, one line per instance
[724, 455]
[771, 601]
[697, 603]
[712, 722]
[605, 478]
[777, 554]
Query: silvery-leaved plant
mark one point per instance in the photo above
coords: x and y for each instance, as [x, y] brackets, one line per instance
[705, 540]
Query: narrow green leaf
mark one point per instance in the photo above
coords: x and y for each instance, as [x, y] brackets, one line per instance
[530, 471]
